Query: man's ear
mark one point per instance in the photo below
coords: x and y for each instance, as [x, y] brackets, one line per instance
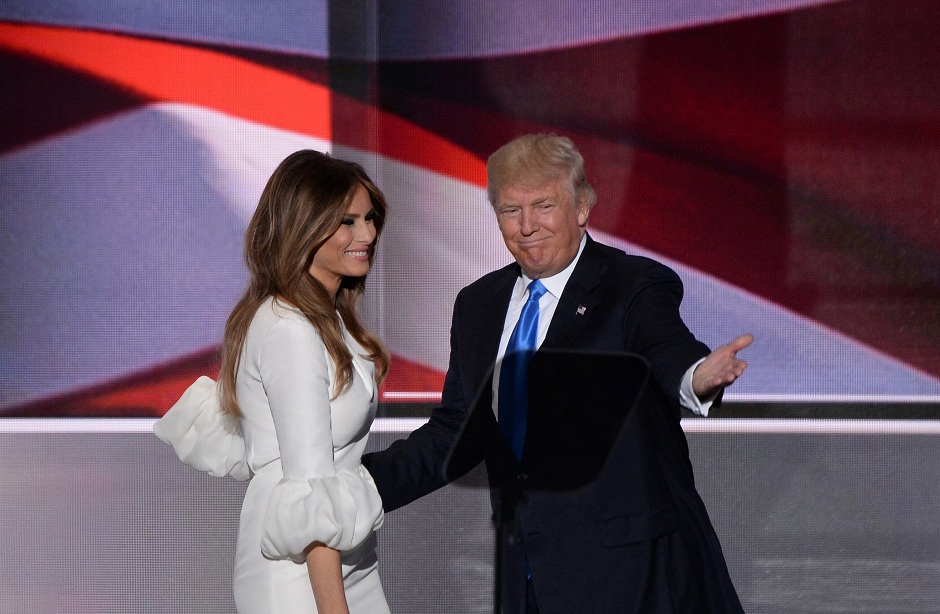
[584, 211]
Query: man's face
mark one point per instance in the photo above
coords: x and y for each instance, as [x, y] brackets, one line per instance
[541, 226]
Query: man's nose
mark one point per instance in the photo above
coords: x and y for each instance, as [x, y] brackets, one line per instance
[528, 223]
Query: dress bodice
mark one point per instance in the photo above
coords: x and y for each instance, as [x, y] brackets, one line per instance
[281, 346]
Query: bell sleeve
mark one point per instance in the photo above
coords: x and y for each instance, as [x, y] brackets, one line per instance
[314, 501]
[202, 436]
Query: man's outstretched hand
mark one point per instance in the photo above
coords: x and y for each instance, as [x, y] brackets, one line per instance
[720, 368]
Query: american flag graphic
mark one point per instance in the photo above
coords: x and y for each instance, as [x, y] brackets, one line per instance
[782, 156]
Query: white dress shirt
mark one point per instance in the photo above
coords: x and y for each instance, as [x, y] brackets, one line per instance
[547, 304]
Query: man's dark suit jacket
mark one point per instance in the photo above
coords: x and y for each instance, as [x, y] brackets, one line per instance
[638, 539]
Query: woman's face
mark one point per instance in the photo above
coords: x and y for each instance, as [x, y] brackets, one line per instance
[346, 253]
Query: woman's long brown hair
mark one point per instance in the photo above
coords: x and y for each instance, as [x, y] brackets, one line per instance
[302, 205]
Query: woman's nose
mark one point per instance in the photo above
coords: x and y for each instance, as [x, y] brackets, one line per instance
[366, 233]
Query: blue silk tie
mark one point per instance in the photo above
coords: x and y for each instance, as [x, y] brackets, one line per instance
[513, 375]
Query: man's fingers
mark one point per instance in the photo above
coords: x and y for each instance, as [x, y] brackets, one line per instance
[740, 343]
[722, 367]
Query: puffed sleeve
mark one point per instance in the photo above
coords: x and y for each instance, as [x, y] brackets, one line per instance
[314, 502]
[202, 436]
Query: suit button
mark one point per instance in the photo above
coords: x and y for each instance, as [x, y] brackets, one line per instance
[522, 477]
[517, 540]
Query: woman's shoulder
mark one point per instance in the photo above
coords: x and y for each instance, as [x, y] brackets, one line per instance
[279, 319]
[275, 310]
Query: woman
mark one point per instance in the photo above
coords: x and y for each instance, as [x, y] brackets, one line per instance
[301, 374]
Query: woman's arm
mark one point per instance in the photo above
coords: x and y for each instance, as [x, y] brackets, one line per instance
[308, 508]
[326, 577]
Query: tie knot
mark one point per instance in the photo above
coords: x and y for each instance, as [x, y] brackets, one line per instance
[536, 290]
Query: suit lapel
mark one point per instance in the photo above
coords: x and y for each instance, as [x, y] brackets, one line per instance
[574, 309]
[578, 299]
[490, 315]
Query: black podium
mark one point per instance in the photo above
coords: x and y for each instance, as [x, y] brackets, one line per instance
[578, 404]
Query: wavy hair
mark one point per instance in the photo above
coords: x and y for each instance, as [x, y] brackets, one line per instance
[534, 160]
[302, 205]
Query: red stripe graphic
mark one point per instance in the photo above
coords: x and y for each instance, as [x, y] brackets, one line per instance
[162, 71]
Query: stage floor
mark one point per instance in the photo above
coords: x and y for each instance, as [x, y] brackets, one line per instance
[831, 515]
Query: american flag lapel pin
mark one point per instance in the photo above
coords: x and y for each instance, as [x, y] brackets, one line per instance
[581, 310]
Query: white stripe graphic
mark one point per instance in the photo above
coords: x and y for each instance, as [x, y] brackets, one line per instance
[144, 261]
[407, 425]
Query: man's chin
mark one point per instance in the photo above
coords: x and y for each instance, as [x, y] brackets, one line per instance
[534, 270]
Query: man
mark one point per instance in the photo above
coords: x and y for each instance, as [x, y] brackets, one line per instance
[638, 539]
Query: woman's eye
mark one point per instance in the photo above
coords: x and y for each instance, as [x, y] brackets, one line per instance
[348, 221]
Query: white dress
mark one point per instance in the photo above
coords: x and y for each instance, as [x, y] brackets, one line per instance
[302, 453]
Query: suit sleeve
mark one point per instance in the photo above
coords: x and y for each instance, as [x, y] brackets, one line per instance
[655, 330]
[413, 467]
